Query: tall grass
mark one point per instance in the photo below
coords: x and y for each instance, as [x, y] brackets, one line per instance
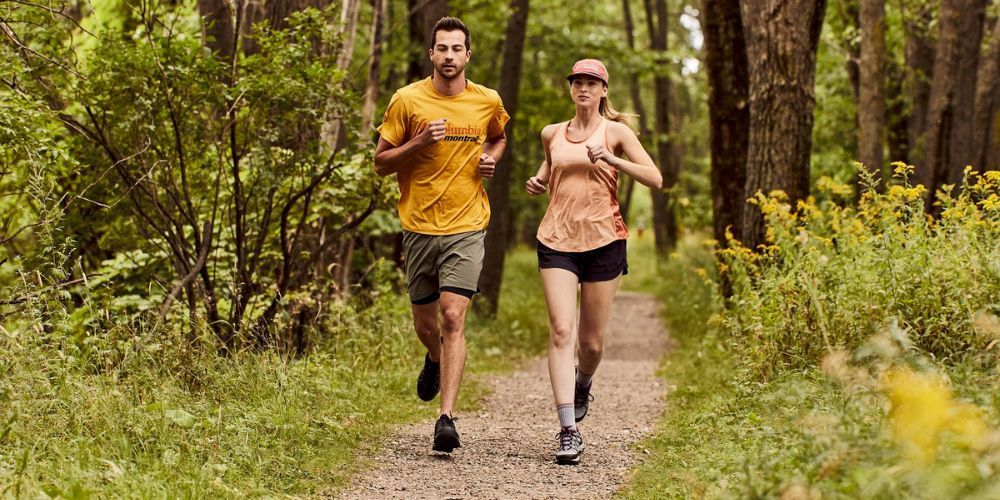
[833, 275]
[855, 358]
[163, 415]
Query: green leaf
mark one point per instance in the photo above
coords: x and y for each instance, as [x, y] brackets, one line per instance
[181, 418]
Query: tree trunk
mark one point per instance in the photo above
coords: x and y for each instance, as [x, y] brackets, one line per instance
[423, 15]
[499, 186]
[993, 157]
[219, 26]
[987, 93]
[664, 219]
[637, 105]
[920, 71]
[330, 132]
[782, 37]
[896, 113]
[871, 98]
[374, 66]
[851, 17]
[950, 114]
[729, 113]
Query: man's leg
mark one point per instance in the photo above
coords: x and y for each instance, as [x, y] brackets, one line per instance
[453, 308]
[428, 327]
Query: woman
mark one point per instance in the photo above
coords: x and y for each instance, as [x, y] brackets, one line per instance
[581, 239]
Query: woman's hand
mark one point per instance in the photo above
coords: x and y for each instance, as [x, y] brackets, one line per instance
[599, 152]
[535, 185]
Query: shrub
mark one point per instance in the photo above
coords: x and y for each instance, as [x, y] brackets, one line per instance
[831, 275]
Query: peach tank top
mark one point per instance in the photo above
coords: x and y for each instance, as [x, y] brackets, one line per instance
[583, 212]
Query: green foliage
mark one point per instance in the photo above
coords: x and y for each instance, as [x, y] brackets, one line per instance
[185, 154]
[166, 416]
[834, 275]
[882, 422]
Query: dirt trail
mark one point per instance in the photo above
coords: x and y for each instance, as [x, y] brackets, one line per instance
[509, 444]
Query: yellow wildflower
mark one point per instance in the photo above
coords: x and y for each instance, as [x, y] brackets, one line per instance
[920, 407]
[923, 409]
[901, 170]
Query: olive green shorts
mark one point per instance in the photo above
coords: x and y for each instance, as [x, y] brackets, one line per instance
[443, 263]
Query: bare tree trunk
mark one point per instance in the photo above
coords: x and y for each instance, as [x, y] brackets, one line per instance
[782, 37]
[330, 132]
[948, 138]
[987, 94]
[342, 275]
[993, 157]
[850, 15]
[896, 113]
[729, 113]
[219, 26]
[499, 186]
[374, 66]
[920, 72]
[640, 109]
[871, 98]
[423, 15]
[664, 219]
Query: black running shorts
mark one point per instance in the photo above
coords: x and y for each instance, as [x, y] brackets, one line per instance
[600, 264]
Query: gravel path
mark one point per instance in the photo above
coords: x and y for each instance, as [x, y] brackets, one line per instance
[509, 444]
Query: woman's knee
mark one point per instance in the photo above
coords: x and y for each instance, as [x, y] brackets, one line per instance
[591, 348]
[561, 335]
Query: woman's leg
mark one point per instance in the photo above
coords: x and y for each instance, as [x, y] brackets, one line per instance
[560, 293]
[595, 309]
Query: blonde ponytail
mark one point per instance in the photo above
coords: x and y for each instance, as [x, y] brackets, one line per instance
[608, 111]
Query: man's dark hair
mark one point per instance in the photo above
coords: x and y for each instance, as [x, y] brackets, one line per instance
[451, 24]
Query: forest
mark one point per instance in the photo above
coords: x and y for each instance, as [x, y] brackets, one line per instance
[201, 283]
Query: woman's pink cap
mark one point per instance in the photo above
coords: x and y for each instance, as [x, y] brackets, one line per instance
[590, 67]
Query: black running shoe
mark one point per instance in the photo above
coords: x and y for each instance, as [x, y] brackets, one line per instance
[570, 446]
[445, 435]
[429, 381]
[581, 401]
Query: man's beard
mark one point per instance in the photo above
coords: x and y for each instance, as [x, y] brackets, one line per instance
[454, 69]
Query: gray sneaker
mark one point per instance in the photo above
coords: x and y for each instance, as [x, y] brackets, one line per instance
[570, 446]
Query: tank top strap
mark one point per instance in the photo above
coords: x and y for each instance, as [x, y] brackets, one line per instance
[601, 131]
[561, 132]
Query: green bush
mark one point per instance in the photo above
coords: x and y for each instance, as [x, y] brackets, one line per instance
[832, 275]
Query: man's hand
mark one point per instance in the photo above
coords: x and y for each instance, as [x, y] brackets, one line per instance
[487, 165]
[598, 152]
[432, 133]
[535, 185]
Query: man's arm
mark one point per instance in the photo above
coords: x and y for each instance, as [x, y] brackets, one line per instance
[388, 158]
[495, 146]
[493, 149]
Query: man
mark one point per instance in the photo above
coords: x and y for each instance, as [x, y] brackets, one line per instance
[441, 136]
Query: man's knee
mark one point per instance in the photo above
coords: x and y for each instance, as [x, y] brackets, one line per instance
[453, 320]
[426, 327]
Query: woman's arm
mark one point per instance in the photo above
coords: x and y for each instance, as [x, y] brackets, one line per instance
[536, 184]
[639, 164]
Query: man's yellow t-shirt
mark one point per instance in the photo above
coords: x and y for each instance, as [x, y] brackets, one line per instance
[441, 191]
